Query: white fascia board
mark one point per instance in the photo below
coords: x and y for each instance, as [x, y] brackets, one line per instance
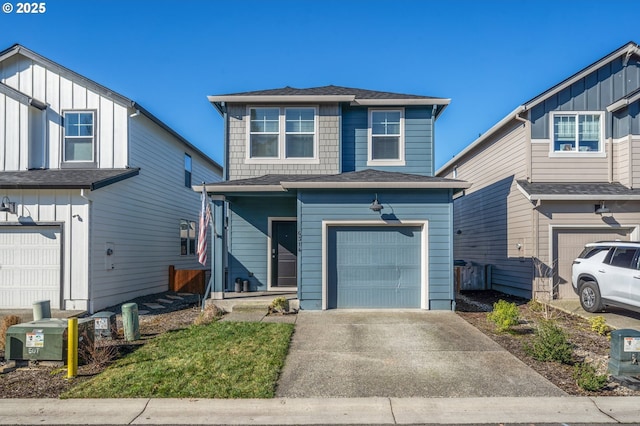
[242, 99]
[223, 189]
[525, 193]
[482, 138]
[623, 103]
[376, 185]
[401, 102]
[607, 197]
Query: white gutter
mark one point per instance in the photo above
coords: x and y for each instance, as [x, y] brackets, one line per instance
[239, 188]
[513, 115]
[548, 197]
[623, 103]
[376, 185]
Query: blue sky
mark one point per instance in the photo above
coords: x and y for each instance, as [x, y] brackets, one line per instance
[168, 55]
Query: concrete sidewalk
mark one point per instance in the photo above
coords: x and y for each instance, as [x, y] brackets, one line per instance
[599, 410]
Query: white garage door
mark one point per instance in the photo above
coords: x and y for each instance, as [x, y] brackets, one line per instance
[568, 243]
[29, 266]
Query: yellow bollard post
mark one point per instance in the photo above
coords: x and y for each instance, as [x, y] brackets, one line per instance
[72, 348]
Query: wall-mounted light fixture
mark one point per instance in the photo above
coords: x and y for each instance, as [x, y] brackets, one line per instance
[7, 205]
[135, 114]
[602, 208]
[375, 205]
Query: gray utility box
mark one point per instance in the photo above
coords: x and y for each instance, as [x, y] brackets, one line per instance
[625, 353]
[45, 339]
[106, 327]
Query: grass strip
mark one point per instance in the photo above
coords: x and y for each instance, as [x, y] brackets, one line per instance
[218, 360]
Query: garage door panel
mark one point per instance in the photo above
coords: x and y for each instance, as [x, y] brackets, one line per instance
[29, 266]
[568, 243]
[374, 267]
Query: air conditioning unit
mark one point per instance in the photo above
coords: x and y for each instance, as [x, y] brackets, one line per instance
[45, 339]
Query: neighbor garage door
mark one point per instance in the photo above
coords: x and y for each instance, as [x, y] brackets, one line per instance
[568, 243]
[29, 266]
[374, 266]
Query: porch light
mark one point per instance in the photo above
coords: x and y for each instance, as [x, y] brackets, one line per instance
[375, 205]
[7, 205]
[602, 208]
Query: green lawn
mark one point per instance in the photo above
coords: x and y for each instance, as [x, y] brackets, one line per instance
[219, 360]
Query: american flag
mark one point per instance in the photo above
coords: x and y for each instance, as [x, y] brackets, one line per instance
[205, 217]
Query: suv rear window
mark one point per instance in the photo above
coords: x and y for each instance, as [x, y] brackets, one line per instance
[592, 251]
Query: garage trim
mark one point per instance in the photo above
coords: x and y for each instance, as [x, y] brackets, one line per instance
[60, 225]
[635, 236]
[424, 224]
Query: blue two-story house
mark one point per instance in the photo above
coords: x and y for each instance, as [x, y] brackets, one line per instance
[331, 191]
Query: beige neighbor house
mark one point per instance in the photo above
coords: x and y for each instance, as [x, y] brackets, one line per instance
[561, 170]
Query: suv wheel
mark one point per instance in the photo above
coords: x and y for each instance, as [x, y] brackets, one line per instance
[590, 297]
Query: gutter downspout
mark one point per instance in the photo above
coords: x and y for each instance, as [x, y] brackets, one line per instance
[225, 143]
[83, 194]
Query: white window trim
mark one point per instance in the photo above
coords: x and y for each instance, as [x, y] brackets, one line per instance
[281, 158]
[424, 273]
[579, 154]
[93, 160]
[401, 148]
[270, 220]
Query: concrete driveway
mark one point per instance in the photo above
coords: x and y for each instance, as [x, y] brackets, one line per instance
[401, 354]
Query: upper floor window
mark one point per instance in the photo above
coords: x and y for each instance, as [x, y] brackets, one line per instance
[79, 137]
[386, 139]
[187, 170]
[282, 134]
[577, 132]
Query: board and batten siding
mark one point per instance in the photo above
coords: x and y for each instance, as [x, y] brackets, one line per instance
[418, 137]
[60, 91]
[433, 206]
[594, 92]
[493, 217]
[140, 217]
[14, 131]
[327, 145]
[67, 209]
[249, 226]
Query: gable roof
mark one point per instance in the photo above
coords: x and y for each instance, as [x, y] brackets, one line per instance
[18, 49]
[628, 49]
[64, 178]
[363, 179]
[326, 94]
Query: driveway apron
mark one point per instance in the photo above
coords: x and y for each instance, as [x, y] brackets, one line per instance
[409, 353]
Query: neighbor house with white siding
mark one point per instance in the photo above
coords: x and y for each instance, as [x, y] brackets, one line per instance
[561, 170]
[96, 196]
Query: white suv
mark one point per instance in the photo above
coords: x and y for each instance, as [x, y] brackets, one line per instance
[608, 273]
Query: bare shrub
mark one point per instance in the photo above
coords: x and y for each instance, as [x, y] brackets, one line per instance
[209, 314]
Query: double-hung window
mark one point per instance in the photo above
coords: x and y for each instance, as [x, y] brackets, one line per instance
[79, 137]
[577, 132]
[386, 139]
[282, 134]
[187, 237]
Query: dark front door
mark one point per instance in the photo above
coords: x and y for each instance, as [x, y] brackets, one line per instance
[284, 264]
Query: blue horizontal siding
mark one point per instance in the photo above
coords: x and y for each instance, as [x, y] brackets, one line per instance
[432, 205]
[248, 230]
[418, 133]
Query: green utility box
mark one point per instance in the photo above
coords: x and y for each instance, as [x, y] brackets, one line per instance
[625, 353]
[45, 339]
